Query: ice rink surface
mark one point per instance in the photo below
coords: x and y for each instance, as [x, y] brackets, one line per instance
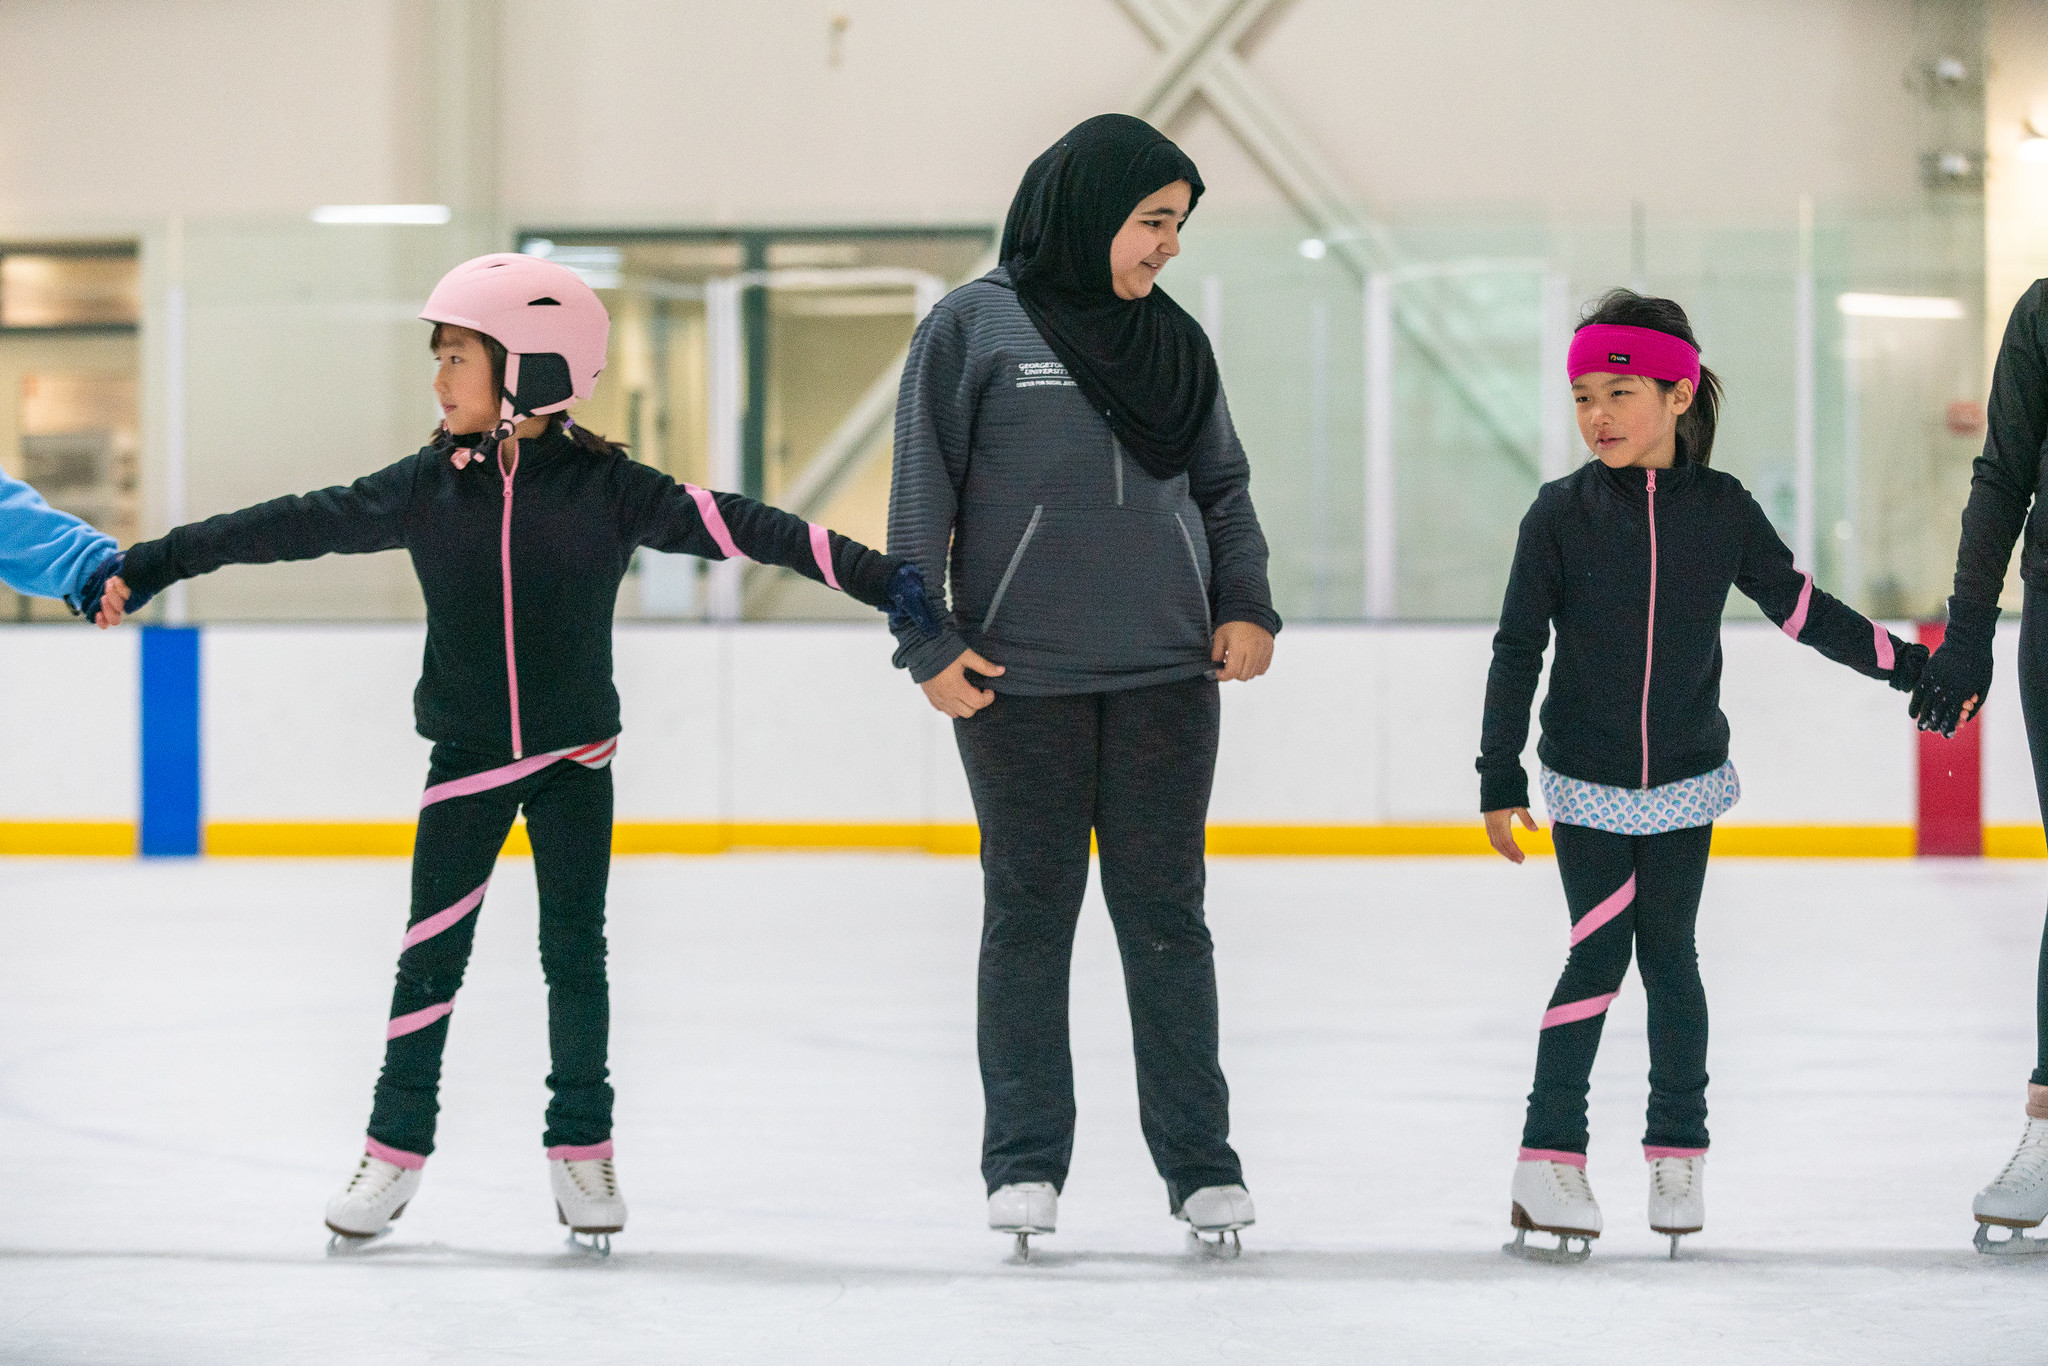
[186, 1053]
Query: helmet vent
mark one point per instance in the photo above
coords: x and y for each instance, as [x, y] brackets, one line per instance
[544, 299]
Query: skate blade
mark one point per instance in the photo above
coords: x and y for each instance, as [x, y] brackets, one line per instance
[1223, 1247]
[340, 1244]
[1674, 1234]
[2014, 1244]
[590, 1244]
[1562, 1254]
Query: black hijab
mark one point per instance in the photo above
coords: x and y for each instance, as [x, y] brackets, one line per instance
[1143, 363]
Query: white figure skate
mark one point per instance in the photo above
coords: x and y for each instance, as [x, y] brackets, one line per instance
[1553, 1197]
[1221, 1210]
[1678, 1197]
[2018, 1199]
[1024, 1208]
[376, 1193]
[587, 1199]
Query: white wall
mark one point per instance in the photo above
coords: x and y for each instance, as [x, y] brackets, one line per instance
[1354, 726]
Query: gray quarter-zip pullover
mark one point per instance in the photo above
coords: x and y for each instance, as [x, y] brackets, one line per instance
[1064, 561]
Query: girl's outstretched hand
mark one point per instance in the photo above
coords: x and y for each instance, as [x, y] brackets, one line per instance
[1500, 831]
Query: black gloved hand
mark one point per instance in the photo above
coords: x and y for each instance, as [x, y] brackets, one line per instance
[87, 603]
[1909, 661]
[909, 603]
[1959, 671]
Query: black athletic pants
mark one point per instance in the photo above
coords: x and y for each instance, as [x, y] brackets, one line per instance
[1626, 892]
[569, 821]
[2034, 706]
[1135, 767]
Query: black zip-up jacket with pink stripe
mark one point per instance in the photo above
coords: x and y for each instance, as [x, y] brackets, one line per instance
[1627, 707]
[557, 537]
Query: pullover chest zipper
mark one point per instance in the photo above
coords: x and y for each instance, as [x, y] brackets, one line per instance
[1649, 635]
[505, 575]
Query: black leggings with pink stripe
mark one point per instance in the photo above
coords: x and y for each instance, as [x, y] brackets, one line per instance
[1628, 894]
[465, 816]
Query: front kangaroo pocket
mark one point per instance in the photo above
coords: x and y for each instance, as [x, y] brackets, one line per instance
[1103, 588]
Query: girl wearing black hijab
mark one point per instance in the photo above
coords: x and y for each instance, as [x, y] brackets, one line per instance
[1065, 460]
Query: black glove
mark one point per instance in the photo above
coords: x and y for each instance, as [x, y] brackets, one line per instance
[87, 603]
[1959, 671]
[1908, 661]
[909, 604]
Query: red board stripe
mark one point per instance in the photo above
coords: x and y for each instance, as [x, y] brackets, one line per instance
[1951, 817]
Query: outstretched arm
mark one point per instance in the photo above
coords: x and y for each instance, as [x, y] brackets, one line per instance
[352, 519]
[2002, 484]
[43, 552]
[1813, 616]
[686, 520]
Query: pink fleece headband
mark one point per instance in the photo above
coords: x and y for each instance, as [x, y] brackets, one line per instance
[1608, 348]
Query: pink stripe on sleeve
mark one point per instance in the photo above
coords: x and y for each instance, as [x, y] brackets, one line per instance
[1573, 1011]
[1613, 906]
[821, 551]
[485, 781]
[1651, 1154]
[1552, 1155]
[714, 521]
[1885, 658]
[1796, 623]
[564, 1152]
[418, 1020]
[441, 920]
[397, 1157]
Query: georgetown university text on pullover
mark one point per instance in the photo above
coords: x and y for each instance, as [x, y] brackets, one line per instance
[1065, 562]
[520, 573]
[1634, 567]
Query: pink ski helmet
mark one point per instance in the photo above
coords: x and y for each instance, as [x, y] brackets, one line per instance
[551, 324]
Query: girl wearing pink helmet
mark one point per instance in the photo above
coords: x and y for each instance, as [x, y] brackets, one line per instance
[520, 525]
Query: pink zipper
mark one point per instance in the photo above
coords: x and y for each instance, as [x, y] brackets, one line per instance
[1649, 642]
[505, 573]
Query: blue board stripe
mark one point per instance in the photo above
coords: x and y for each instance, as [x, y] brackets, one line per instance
[170, 740]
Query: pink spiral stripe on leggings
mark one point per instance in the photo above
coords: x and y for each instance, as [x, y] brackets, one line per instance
[1574, 1011]
[1613, 906]
[566, 1152]
[594, 755]
[1651, 1154]
[1551, 1155]
[441, 920]
[418, 1020]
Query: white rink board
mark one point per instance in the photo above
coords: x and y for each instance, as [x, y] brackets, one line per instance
[183, 1082]
[1356, 725]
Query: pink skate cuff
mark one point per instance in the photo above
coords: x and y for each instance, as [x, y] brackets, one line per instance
[397, 1157]
[1651, 1154]
[568, 1153]
[1552, 1155]
[2037, 1101]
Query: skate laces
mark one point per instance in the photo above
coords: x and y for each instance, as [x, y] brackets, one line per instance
[1672, 1177]
[2028, 1165]
[371, 1180]
[1573, 1180]
[595, 1173]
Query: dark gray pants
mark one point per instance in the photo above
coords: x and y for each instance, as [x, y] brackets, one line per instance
[1135, 768]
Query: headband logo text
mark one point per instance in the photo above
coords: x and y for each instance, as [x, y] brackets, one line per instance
[1618, 357]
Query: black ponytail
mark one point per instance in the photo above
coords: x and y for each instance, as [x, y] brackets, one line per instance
[1626, 308]
[585, 439]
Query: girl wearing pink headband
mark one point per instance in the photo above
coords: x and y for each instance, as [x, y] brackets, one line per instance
[1631, 558]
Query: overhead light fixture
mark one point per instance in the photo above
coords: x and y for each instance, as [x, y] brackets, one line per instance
[1313, 248]
[538, 246]
[1899, 306]
[418, 215]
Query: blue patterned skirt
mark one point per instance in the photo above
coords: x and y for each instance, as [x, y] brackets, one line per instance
[1637, 810]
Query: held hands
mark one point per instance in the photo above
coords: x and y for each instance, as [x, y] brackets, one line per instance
[105, 599]
[1500, 831]
[113, 604]
[1245, 651]
[1957, 677]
